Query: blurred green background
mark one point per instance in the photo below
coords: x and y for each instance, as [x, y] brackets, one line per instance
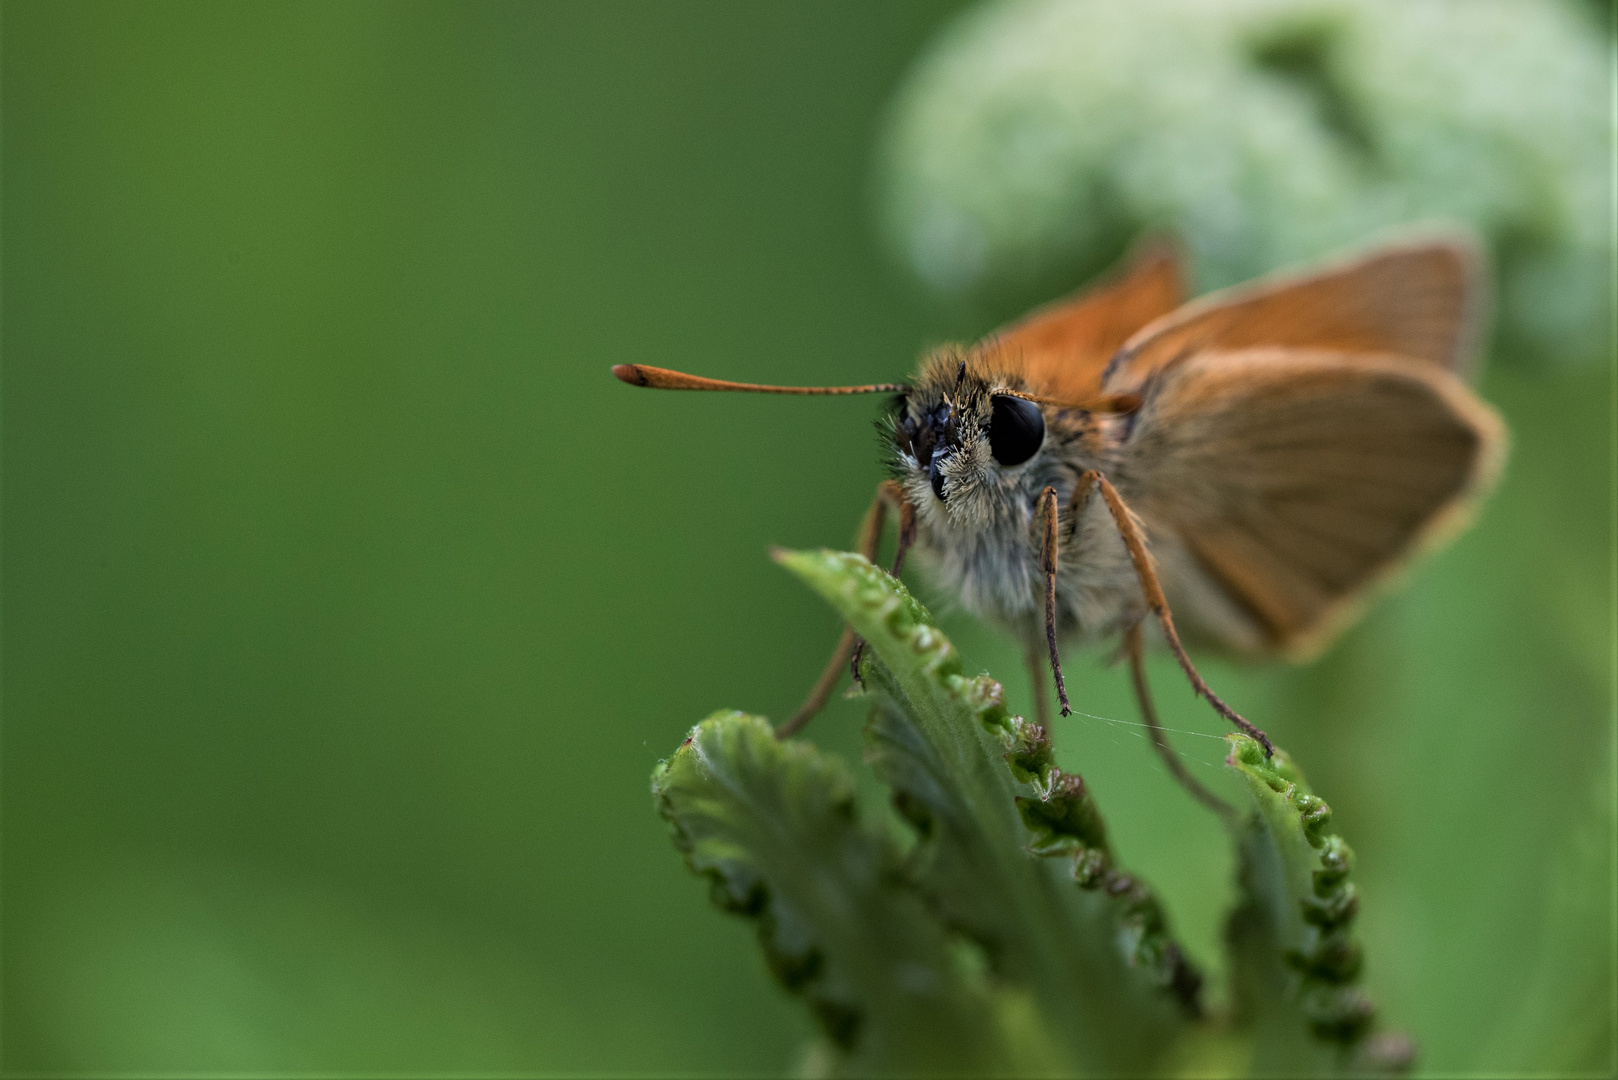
[348, 602]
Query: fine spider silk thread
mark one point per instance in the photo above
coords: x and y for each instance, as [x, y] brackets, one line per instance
[1140, 735]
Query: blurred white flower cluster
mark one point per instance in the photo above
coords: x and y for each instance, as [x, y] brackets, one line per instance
[1036, 136]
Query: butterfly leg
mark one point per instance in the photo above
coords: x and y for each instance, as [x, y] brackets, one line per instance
[1130, 531]
[1050, 545]
[1047, 563]
[870, 538]
[1133, 648]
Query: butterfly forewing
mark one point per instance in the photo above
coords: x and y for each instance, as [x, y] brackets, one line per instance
[1419, 299]
[1062, 349]
[1299, 478]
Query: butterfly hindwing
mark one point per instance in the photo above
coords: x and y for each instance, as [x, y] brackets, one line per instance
[1298, 478]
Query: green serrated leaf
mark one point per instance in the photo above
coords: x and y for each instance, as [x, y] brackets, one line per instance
[773, 826]
[1012, 851]
[1294, 960]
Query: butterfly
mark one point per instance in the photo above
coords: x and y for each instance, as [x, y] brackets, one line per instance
[1249, 466]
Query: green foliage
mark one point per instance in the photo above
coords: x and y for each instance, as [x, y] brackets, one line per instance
[1001, 936]
[1293, 958]
[1087, 940]
[773, 826]
[1037, 139]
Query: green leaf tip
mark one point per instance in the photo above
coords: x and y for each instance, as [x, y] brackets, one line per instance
[774, 827]
[1301, 905]
[1004, 835]
[722, 762]
[892, 621]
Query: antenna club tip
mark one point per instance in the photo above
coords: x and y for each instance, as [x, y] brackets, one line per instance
[631, 374]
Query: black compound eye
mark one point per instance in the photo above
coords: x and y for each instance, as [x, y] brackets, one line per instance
[1016, 430]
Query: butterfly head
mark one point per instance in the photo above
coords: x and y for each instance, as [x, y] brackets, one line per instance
[963, 439]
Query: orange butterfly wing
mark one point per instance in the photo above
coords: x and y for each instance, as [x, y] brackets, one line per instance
[1420, 299]
[1298, 479]
[1062, 349]
[1303, 435]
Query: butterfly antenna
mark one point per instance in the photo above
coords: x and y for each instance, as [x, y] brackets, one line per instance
[664, 379]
